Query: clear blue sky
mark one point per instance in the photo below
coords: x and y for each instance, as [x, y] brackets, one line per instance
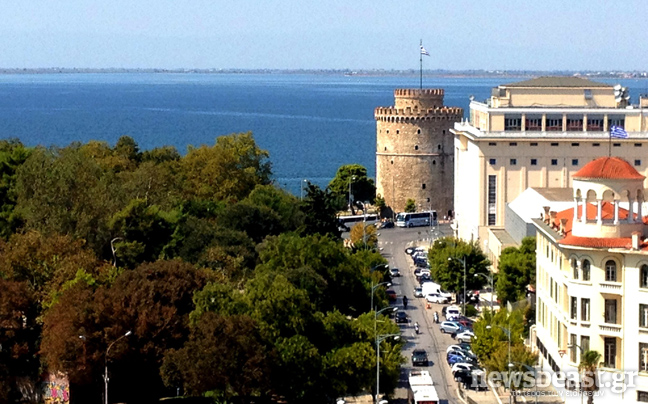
[311, 34]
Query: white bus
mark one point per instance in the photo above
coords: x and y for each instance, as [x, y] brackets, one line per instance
[428, 218]
[346, 222]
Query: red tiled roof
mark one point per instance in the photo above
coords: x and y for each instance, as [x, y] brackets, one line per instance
[609, 168]
[607, 212]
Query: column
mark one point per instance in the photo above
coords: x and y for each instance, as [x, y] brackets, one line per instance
[599, 216]
[584, 210]
[576, 200]
[584, 122]
[523, 123]
[616, 212]
[640, 209]
[630, 210]
[544, 122]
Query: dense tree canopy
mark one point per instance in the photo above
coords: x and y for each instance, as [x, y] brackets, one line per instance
[351, 181]
[516, 271]
[447, 258]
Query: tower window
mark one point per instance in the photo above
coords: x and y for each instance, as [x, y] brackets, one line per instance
[554, 162]
[428, 199]
[637, 162]
[397, 131]
[433, 162]
[534, 162]
[444, 131]
[387, 130]
[418, 131]
[513, 162]
[438, 147]
[423, 186]
[574, 162]
[492, 161]
[385, 148]
[392, 161]
[416, 147]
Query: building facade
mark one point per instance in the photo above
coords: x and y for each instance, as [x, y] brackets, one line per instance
[414, 155]
[537, 133]
[592, 280]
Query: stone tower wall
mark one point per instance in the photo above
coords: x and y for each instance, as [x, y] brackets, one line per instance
[415, 151]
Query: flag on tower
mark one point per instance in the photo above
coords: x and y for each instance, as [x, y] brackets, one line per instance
[618, 132]
[424, 52]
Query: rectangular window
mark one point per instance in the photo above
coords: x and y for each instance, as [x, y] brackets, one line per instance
[534, 162]
[588, 94]
[554, 162]
[422, 186]
[643, 315]
[642, 396]
[643, 276]
[585, 343]
[573, 342]
[554, 124]
[574, 162]
[512, 123]
[533, 123]
[492, 161]
[610, 311]
[512, 143]
[555, 144]
[595, 123]
[575, 144]
[513, 162]
[616, 144]
[585, 309]
[616, 120]
[492, 200]
[574, 124]
[609, 352]
[610, 271]
[574, 308]
[637, 162]
[637, 144]
[596, 144]
[534, 143]
[492, 144]
[643, 357]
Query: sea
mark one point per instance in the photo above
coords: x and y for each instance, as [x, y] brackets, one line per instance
[311, 124]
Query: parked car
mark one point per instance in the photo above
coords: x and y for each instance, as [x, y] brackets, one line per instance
[394, 272]
[417, 272]
[401, 317]
[449, 327]
[409, 250]
[463, 354]
[391, 295]
[419, 357]
[418, 292]
[453, 359]
[471, 379]
[385, 225]
[465, 336]
[462, 347]
[436, 298]
[452, 311]
[462, 366]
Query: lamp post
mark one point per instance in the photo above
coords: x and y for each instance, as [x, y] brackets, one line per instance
[379, 339]
[535, 375]
[301, 191]
[351, 179]
[508, 334]
[106, 363]
[463, 261]
[390, 309]
[373, 288]
[492, 290]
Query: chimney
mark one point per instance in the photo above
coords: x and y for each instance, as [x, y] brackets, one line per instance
[563, 224]
[552, 219]
[546, 214]
[636, 240]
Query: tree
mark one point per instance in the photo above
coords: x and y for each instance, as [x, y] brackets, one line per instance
[351, 180]
[447, 256]
[12, 155]
[229, 170]
[127, 148]
[364, 236]
[320, 213]
[516, 271]
[380, 205]
[410, 205]
[588, 364]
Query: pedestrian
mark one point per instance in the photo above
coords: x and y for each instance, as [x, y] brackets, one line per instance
[405, 302]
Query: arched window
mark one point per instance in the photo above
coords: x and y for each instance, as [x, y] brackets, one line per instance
[610, 271]
[575, 268]
[586, 270]
[643, 276]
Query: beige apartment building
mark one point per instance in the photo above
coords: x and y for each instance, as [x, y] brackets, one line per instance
[592, 281]
[537, 133]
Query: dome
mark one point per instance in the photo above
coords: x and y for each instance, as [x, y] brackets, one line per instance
[609, 168]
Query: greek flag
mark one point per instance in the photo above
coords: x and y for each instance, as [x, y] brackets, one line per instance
[618, 132]
[424, 52]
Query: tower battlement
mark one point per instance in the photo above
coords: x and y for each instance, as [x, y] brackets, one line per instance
[418, 98]
[393, 114]
[415, 92]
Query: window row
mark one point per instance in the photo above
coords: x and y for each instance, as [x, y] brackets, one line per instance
[554, 123]
[556, 144]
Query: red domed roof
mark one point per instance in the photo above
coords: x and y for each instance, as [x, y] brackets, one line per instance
[609, 168]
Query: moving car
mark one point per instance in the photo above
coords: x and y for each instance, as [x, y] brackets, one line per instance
[449, 327]
[419, 357]
[394, 272]
[401, 317]
[418, 292]
[391, 295]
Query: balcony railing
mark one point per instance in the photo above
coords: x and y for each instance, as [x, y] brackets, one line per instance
[610, 329]
[611, 287]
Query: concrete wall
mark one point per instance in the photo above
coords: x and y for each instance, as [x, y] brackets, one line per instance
[516, 227]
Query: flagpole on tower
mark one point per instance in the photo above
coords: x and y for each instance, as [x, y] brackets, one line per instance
[421, 61]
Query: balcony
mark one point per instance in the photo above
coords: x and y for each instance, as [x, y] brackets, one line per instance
[612, 330]
[611, 288]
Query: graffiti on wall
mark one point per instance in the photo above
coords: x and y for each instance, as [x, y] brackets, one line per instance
[55, 389]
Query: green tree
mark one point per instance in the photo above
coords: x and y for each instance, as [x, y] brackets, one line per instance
[380, 205]
[364, 236]
[350, 369]
[588, 365]
[447, 257]
[320, 213]
[12, 155]
[162, 154]
[127, 148]
[516, 271]
[353, 178]
[410, 205]
[229, 170]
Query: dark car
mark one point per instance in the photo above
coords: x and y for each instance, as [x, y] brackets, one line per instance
[470, 379]
[387, 225]
[394, 272]
[391, 295]
[401, 317]
[419, 357]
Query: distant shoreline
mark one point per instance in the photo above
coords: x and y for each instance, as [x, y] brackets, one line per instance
[341, 72]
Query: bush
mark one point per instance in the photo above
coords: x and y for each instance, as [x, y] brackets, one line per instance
[471, 311]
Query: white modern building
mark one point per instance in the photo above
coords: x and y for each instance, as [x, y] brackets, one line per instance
[592, 280]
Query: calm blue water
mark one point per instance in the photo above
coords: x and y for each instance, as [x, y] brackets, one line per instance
[310, 124]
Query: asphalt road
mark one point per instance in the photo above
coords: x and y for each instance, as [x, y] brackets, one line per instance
[393, 243]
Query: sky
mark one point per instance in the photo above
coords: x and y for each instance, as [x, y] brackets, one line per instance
[325, 34]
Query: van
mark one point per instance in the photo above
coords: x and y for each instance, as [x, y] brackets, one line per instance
[453, 311]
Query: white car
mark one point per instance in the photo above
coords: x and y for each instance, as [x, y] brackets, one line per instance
[452, 311]
[436, 298]
[418, 292]
[462, 366]
[458, 347]
[465, 336]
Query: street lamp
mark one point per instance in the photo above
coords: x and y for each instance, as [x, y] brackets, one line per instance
[389, 309]
[535, 375]
[379, 339]
[301, 192]
[106, 363]
[492, 290]
[463, 261]
[373, 288]
[508, 334]
[351, 178]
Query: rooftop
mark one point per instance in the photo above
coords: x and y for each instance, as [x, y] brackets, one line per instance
[608, 168]
[557, 81]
